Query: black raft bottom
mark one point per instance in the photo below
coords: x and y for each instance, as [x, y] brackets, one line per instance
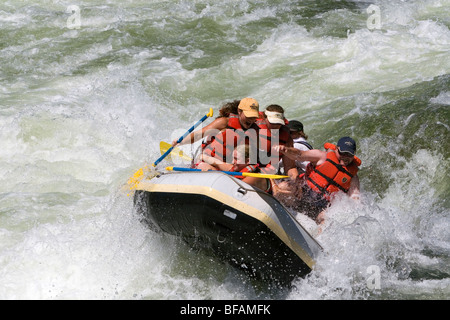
[232, 235]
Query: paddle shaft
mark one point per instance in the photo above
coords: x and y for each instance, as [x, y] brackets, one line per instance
[232, 173]
[209, 114]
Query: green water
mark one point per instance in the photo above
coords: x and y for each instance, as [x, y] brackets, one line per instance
[83, 106]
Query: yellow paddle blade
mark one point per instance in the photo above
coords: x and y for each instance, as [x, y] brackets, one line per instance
[164, 146]
[138, 176]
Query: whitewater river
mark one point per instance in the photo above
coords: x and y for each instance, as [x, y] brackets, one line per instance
[88, 89]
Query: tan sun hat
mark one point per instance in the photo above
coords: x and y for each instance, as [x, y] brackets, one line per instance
[250, 107]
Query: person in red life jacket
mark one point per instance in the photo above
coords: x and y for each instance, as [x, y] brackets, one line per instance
[273, 132]
[226, 133]
[328, 173]
[245, 118]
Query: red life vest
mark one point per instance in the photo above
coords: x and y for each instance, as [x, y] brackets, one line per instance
[222, 145]
[331, 176]
[265, 137]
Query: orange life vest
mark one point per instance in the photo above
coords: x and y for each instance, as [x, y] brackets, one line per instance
[331, 176]
[222, 145]
[331, 146]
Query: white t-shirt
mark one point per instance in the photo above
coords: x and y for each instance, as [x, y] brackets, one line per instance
[301, 144]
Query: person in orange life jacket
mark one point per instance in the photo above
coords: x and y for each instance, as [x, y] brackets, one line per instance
[328, 173]
[247, 113]
[273, 131]
[224, 112]
[239, 129]
[228, 131]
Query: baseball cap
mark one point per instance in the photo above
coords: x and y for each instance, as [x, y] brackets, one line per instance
[347, 144]
[274, 117]
[295, 125]
[250, 107]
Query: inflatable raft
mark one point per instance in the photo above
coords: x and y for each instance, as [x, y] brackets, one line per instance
[237, 222]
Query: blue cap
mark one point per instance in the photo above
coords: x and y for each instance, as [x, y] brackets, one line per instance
[347, 144]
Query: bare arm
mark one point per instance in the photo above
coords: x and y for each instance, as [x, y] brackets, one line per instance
[216, 163]
[354, 192]
[315, 156]
[289, 163]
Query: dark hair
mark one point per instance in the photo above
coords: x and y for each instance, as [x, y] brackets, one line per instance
[297, 126]
[229, 107]
[303, 135]
[275, 108]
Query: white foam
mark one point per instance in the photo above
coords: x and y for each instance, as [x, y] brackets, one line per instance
[442, 98]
